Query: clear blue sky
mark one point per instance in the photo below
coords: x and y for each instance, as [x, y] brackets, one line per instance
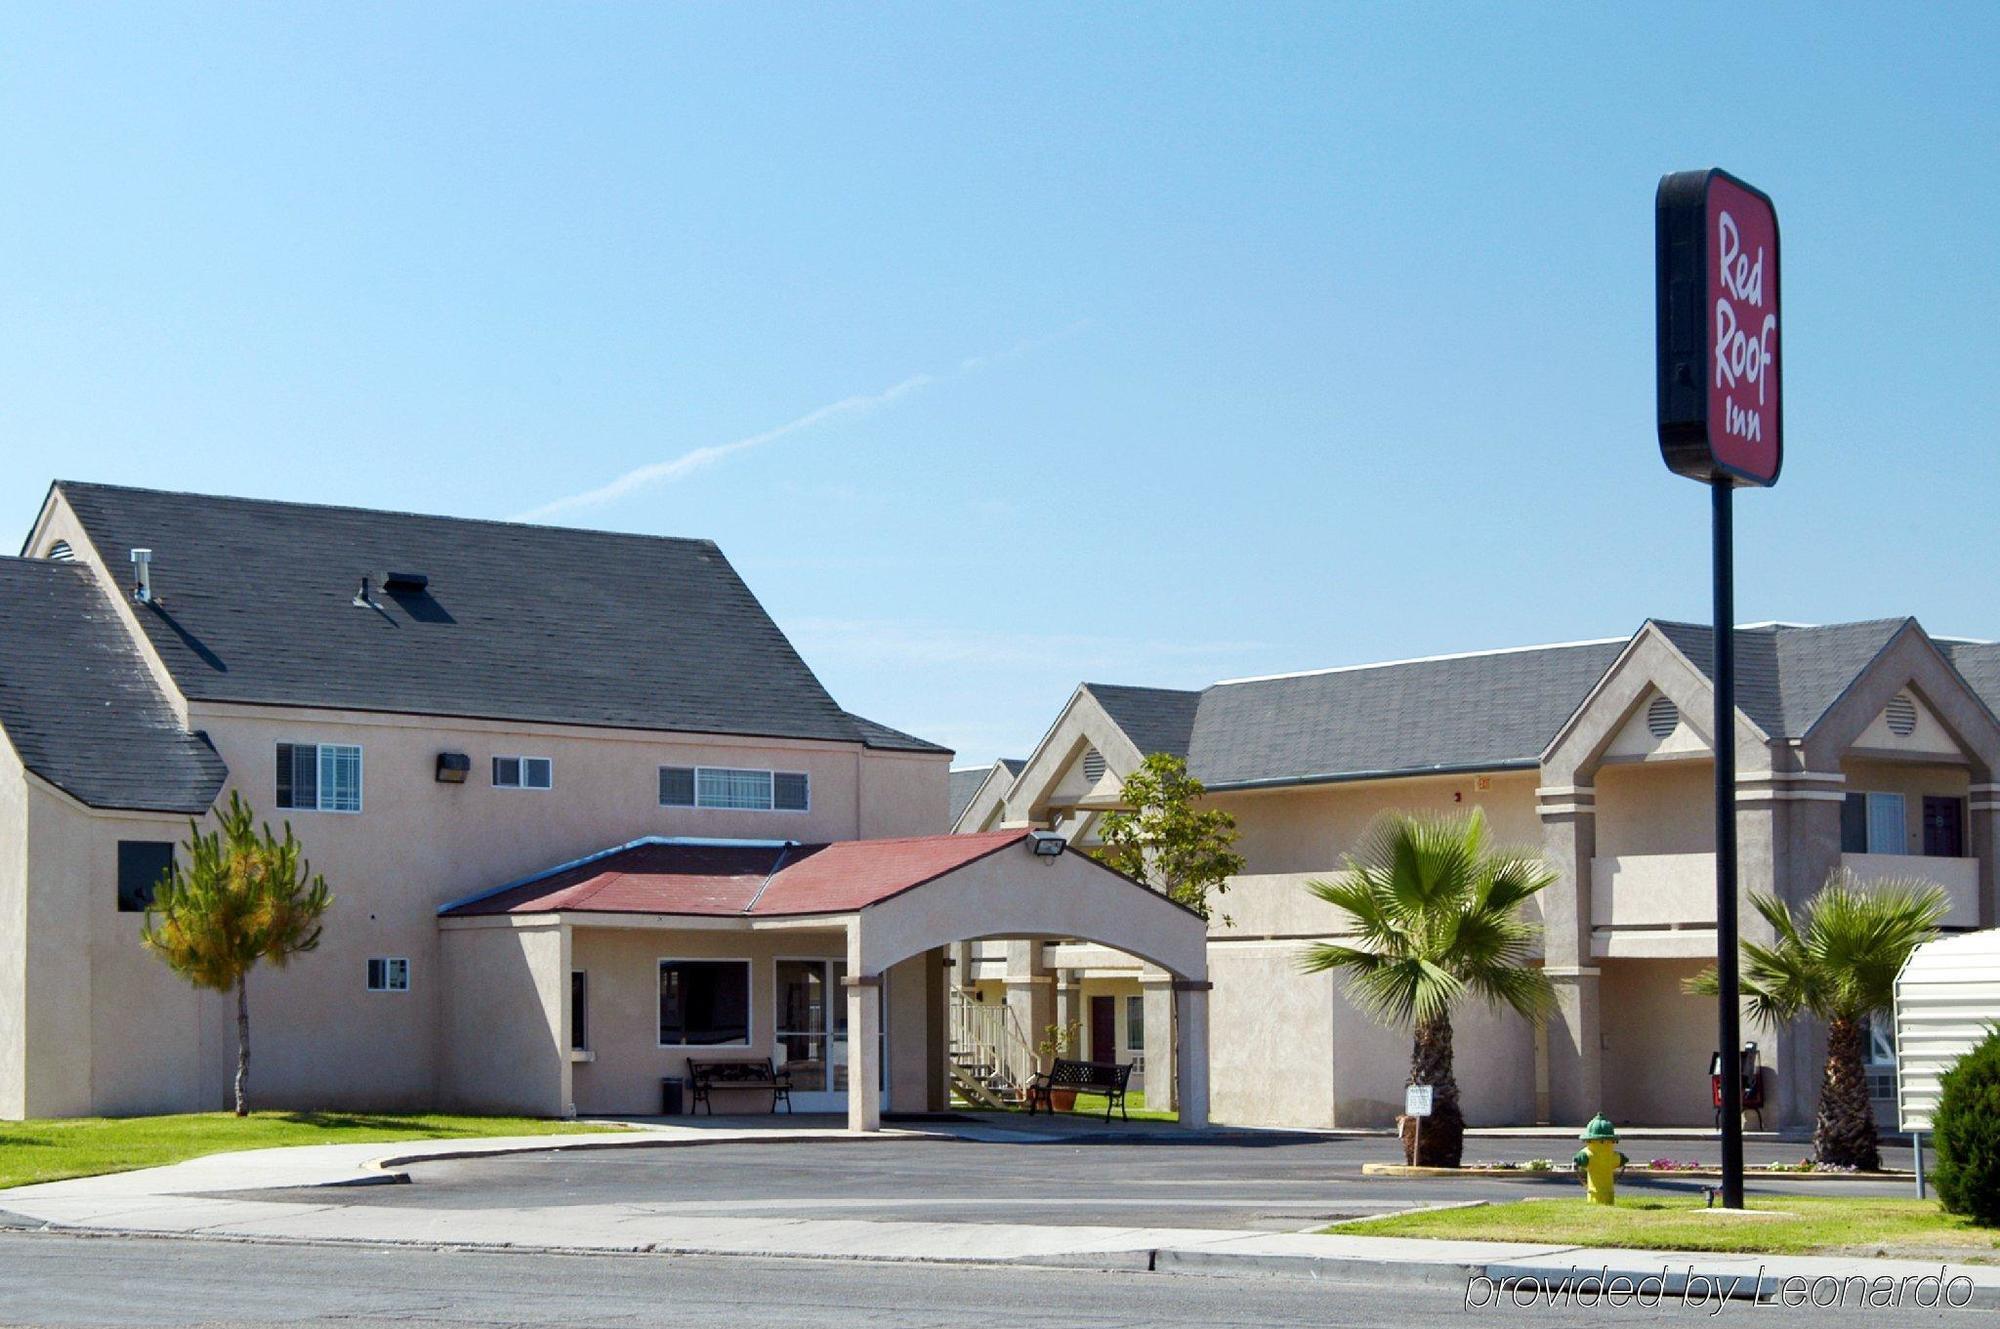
[1152, 347]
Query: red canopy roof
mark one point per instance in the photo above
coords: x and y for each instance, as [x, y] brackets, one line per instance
[754, 879]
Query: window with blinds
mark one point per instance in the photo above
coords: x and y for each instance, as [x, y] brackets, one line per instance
[734, 789]
[319, 777]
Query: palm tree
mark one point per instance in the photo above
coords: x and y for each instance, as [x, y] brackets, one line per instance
[1438, 918]
[1839, 963]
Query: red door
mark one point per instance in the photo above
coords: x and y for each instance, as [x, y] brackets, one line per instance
[1104, 1028]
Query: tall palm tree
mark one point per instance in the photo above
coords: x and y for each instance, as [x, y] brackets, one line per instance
[1438, 917]
[1839, 963]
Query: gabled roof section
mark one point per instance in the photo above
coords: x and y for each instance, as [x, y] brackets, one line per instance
[1480, 711]
[515, 622]
[1788, 675]
[1155, 719]
[966, 782]
[761, 880]
[80, 706]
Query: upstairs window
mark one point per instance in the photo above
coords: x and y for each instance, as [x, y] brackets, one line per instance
[1873, 824]
[141, 864]
[523, 773]
[319, 777]
[734, 788]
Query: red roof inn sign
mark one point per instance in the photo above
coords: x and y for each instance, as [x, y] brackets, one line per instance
[1720, 390]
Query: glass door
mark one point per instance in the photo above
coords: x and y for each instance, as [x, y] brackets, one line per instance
[812, 1033]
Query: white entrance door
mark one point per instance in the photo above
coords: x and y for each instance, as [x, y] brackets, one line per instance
[812, 1033]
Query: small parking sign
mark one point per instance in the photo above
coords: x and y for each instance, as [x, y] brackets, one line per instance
[1417, 1101]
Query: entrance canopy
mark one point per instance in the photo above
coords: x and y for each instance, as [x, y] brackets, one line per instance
[895, 899]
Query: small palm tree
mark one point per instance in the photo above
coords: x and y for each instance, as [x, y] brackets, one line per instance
[1438, 918]
[1839, 963]
[243, 896]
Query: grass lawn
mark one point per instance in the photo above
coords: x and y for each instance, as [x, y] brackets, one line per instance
[1788, 1225]
[50, 1149]
[1092, 1105]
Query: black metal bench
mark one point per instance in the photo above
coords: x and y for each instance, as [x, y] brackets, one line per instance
[1086, 1077]
[706, 1075]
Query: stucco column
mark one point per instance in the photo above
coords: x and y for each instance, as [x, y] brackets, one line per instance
[1787, 844]
[864, 1051]
[1069, 1011]
[1031, 998]
[1156, 988]
[1575, 1050]
[1191, 1026]
[1983, 809]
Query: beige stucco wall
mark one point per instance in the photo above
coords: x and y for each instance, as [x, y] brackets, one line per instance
[1309, 829]
[110, 1030]
[13, 934]
[1660, 807]
[1657, 1042]
[1493, 1060]
[506, 1023]
[1271, 1054]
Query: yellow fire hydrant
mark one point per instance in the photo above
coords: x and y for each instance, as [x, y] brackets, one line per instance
[1597, 1163]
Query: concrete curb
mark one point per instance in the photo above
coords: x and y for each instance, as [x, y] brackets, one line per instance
[1627, 1174]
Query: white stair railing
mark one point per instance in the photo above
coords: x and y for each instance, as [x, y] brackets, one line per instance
[986, 1038]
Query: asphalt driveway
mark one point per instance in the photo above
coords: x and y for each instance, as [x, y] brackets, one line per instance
[1254, 1182]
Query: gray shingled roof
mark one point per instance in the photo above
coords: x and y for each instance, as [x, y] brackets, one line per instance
[966, 781]
[1788, 675]
[78, 704]
[894, 740]
[1473, 711]
[1155, 719]
[518, 622]
[1978, 663]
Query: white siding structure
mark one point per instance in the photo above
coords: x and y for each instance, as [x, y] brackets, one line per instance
[1947, 999]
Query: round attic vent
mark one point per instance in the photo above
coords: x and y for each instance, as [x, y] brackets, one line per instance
[1662, 717]
[1901, 713]
[61, 552]
[1093, 765]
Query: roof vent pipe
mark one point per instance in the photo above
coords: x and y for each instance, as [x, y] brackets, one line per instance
[142, 576]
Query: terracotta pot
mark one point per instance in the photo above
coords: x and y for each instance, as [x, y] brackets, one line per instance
[1062, 1100]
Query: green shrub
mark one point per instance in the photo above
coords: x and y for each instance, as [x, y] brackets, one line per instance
[1966, 1127]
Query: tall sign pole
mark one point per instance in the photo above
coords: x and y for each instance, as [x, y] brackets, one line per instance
[1721, 423]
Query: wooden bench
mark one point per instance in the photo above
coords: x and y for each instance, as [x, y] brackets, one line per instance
[1088, 1077]
[704, 1076]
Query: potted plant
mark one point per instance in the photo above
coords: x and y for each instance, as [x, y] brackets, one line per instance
[1055, 1042]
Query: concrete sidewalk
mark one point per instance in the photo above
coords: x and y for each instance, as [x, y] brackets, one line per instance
[214, 1198]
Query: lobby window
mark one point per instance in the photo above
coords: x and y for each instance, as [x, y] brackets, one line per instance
[388, 974]
[523, 773]
[704, 1003]
[319, 777]
[733, 788]
[1135, 1024]
[141, 864]
[579, 1010]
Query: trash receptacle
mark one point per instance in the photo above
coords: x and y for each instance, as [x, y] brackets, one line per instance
[671, 1096]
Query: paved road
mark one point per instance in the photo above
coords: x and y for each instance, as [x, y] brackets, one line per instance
[1277, 1183]
[51, 1280]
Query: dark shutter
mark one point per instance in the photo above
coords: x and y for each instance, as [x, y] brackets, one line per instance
[285, 776]
[1854, 824]
[788, 792]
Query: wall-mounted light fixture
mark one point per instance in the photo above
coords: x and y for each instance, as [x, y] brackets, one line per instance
[1047, 844]
[453, 767]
